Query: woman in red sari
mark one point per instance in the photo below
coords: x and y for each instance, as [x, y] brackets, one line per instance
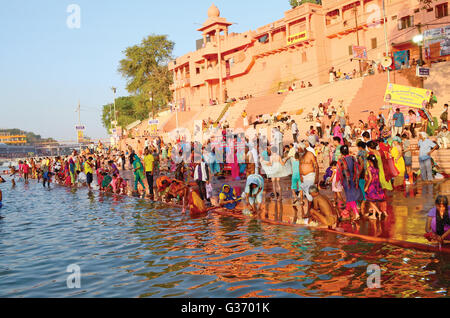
[390, 171]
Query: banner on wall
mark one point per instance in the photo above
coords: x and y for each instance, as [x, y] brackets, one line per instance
[359, 52]
[438, 37]
[401, 58]
[153, 127]
[407, 96]
[80, 136]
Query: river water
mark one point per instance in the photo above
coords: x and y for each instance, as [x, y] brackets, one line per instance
[127, 247]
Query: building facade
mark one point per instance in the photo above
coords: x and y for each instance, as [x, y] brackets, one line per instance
[302, 47]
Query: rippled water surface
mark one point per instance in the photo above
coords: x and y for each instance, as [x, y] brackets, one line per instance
[132, 248]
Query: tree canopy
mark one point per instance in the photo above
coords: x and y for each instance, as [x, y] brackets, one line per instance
[126, 112]
[146, 71]
[296, 3]
[145, 68]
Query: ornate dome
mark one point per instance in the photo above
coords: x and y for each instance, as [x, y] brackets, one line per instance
[213, 12]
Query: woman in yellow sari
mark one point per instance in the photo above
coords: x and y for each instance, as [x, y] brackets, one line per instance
[397, 154]
[385, 184]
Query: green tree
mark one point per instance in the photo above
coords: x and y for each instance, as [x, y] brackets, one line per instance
[126, 112]
[296, 3]
[147, 74]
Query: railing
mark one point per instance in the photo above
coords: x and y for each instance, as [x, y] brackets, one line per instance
[269, 47]
[224, 111]
[232, 42]
[349, 24]
[239, 68]
[180, 83]
[209, 49]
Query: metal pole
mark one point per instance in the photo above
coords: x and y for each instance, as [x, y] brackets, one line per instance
[419, 26]
[385, 39]
[110, 119]
[355, 10]
[115, 114]
[79, 113]
[153, 107]
[176, 115]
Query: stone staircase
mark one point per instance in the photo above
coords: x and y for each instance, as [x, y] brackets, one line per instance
[233, 116]
[269, 104]
[309, 98]
[185, 120]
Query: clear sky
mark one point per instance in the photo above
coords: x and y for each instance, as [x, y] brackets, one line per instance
[46, 67]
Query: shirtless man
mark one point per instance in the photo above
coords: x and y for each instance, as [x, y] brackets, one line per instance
[309, 169]
[322, 210]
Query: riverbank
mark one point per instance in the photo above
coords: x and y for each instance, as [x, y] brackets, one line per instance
[407, 210]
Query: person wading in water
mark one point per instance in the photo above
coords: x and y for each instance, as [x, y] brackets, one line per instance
[309, 170]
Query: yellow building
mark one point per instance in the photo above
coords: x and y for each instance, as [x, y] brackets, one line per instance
[13, 139]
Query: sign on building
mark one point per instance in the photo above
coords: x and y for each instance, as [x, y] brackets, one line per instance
[422, 72]
[80, 136]
[153, 126]
[437, 41]
[359, 52]
[297, 38]
[407, 96]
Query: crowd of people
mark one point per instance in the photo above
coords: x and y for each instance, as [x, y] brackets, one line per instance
[75, 170]
[361, 162]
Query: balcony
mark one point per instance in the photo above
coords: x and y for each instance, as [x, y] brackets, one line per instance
[209, 49]
[269, 48]
[180, 83]
[233, 42]
[212, 73]
[339, 26]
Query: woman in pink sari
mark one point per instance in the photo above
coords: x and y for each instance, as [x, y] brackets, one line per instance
[235, 170]
[337, 132]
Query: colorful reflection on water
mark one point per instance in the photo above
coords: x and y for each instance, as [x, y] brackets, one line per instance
[132, 248]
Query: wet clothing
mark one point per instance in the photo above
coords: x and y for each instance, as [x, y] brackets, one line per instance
[139, 173]
[295, 180]
[106, 181]
[375, 192]
[259, 181]
[443, 225]
[308, 182]
[231, 195]
[349, 176]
